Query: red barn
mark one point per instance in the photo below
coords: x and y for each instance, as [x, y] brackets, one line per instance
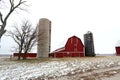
[73, 48]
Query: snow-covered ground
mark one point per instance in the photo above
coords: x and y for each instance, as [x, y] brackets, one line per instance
[61, 68]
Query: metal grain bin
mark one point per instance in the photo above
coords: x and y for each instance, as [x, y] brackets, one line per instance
[89, 44]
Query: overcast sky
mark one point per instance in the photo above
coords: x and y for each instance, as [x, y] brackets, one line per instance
[73, 17]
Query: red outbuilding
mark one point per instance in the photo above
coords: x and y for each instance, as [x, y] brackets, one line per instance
[117, 50]
[28, 55]
[117, 47]
[73, 48]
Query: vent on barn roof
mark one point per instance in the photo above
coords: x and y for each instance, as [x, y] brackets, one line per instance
[89, 44]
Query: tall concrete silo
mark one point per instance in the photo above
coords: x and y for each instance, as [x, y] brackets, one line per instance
[89, 44]
[44, 38]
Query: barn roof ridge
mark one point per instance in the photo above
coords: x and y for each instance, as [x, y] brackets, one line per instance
[75, 36]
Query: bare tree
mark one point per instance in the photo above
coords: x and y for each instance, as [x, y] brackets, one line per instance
[30, 39]
[25, 38]
[12, 8]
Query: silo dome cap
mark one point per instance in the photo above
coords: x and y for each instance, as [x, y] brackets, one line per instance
[44, 19]
[89, 32]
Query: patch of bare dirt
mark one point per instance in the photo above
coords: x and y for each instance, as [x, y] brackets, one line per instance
[100, 74]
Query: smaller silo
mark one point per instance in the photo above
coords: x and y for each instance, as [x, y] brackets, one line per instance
[89, 44]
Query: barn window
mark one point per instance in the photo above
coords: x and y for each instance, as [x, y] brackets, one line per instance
[67, 53]
[75, 44]
[75, 49]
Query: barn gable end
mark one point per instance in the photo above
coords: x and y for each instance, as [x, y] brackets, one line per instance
[73, 48]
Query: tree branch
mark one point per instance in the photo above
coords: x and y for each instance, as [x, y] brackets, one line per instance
[12, 8]
[12, 35]
[1, 18]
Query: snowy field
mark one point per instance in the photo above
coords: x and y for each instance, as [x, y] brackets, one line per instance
[85, 68]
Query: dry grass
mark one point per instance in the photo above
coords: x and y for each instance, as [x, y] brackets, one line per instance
[34, 60]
